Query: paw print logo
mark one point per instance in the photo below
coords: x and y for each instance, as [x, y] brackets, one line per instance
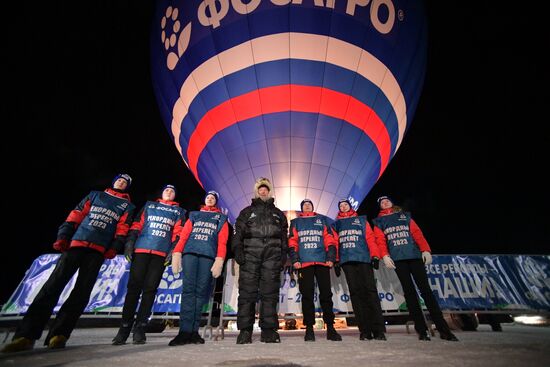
[169, 280]
[174, 44]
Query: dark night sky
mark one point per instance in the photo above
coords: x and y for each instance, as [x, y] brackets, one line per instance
[81, 105]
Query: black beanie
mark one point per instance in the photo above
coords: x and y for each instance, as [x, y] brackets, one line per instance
[306, 201]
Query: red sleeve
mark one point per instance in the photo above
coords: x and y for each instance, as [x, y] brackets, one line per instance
[371, 242]
[123, 226]
[328, 238]
[222, 241]
[184, 235]
[418, 237]
[381, 243]
[337, 241]
[177, 230]
[138, 224]
[77, 215]
[335, 235]
[293, 239]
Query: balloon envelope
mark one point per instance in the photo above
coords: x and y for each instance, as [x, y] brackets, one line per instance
[315, 95]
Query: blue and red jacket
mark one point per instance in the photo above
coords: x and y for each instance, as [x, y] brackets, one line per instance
[310, 240]
[398, 235]
[159, 225]
[355, 238]
[204, 233]
[99, 218]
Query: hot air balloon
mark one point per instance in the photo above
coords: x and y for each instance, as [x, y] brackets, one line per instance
[315, 95]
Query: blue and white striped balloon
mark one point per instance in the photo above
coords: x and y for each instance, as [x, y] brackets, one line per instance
[316, 95]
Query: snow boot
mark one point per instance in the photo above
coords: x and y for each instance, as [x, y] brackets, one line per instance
[310, 334]
[425, 336]
[270, 336]
[139, 333]
[332, 334]
[245, 337]
[18, 345]
[123, 333]
[181, 339]
[196, 338]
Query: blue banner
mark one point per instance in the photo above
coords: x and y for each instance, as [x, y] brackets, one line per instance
[459, 282]
[491, 282]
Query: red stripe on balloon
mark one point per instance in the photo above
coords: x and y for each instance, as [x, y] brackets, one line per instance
[285, 98]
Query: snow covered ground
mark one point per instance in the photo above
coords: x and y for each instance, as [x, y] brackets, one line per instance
[517, 345]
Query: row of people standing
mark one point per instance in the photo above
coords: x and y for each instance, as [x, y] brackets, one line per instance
[260, 245]
[195, 247]
[358, 249]
[100, 224]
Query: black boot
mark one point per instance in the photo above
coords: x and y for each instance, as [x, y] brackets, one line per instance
[181, 339]
[448, 336]
[123, 333]
[424, 336]
[496, 326]
[270, 336]
[365, 336]
[310, 335]
[332, 334]
[139, 333]
[245, 336]
[196, 338]
[379, 335]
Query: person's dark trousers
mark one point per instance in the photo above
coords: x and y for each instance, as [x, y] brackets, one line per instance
[364, 297]
[415, 267]
[145, 275]
[259, 278]
[196, 287]
[87, 262]
[306, 282]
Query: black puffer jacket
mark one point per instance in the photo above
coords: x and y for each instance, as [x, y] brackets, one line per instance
[259, 225]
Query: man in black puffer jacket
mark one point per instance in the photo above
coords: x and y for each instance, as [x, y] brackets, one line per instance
[260, 245]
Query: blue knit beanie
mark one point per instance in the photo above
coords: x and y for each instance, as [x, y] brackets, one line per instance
[214, 193]
[170, 187]
[345, 200]
[126, 177]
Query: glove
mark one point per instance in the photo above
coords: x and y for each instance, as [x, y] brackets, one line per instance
[129, 245]
[61, 245]
[375, 262]
[426, 257]
[110, 253]
[176, 262]
[388, 262]
[217, 268]
[337, 269]
[128, 252]
[66, 231]
[168, 259]
[117, 245]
